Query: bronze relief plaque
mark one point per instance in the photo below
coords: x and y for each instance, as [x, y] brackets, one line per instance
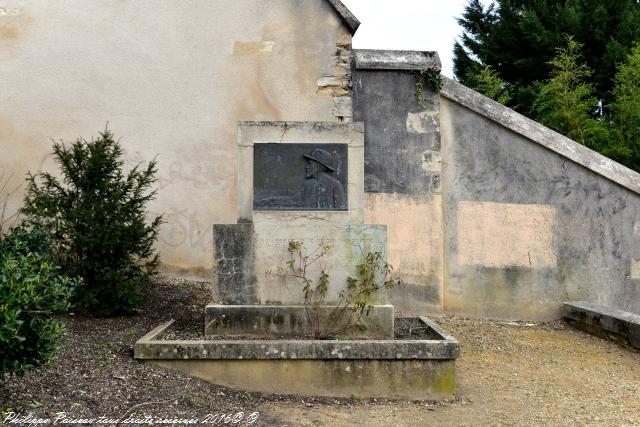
[310, 177]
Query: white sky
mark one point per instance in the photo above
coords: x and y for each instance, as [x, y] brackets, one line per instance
[409, 24]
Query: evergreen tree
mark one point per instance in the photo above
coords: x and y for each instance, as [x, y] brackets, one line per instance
[565, 101]
[97, 214]
[518, 38]
[488, 82]
[625, 146]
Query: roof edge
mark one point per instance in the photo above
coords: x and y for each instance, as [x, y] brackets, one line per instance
[372, 59]
[541, 135]
[348, 18]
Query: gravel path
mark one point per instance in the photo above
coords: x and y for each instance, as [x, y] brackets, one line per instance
[508, 374]
[521, 374]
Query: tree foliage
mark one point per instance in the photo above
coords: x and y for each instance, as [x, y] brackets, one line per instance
[97, 216]
[486, 80]
[557, 59]
[518, 39]
[566, 100]
[626, 111]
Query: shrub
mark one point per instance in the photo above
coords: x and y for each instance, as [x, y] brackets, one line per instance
[98, 221]
[31, 292]
[487, 81]
[6, 220]
[27, 238]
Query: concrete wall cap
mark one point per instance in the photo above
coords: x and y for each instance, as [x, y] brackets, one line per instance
[306, 125]
[370, 59]
[603, 311]
[348, 18]
[540, 134]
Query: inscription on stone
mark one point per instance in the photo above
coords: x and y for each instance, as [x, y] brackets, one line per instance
[300, 177]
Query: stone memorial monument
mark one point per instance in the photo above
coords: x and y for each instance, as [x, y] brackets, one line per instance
[297, 182]
[301, 184]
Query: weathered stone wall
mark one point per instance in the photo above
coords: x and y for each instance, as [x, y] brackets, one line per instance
[531, 218]
[402, 170]
[506, 220]
[172, 79]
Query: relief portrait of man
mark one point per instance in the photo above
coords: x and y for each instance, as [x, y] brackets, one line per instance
[321, 189]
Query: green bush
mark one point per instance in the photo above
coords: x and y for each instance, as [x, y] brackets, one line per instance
[27, 238]
[31, 292]
[97, 217]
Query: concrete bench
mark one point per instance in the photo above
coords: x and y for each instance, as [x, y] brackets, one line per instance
[604, 322]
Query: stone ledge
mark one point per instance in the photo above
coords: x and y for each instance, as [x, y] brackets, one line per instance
[291, 321]
[370, 59]
[150, 347]
[540, 134]
[391, 369]
[603, 321]
[303, 125]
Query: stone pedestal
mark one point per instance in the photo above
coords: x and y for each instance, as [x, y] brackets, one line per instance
[302, 182]
[257, 313]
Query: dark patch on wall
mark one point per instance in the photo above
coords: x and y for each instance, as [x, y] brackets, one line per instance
[417, 299]
[233, 255]
[394, 156]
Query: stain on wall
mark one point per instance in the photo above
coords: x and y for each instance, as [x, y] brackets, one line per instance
[635, 269]
[397, 131]
[234, 279]
[247, 48]
[414, 247]
[422, 122]
[402, 180]
[505, 235]
[13, 23]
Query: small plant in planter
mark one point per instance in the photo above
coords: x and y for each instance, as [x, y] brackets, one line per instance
[372, 276]
[98, 219]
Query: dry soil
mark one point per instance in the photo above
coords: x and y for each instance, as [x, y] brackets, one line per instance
[508, 374]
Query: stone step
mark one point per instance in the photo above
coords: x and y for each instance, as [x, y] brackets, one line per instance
[293, 321]
[604, 322]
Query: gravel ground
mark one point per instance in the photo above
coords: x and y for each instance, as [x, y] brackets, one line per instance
[508, 374]
[511, 373]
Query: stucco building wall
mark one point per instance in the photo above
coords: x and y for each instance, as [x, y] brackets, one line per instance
[529, 224]
[172, 79]
[488, 214]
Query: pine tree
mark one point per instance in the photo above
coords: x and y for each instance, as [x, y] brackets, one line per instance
[518, 38]
[97, 215]
[566, 100]
[626, 111]
[487, 81]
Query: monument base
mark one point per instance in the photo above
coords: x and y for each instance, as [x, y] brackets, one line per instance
[290, 321]
[431, 380]
[418, 365]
